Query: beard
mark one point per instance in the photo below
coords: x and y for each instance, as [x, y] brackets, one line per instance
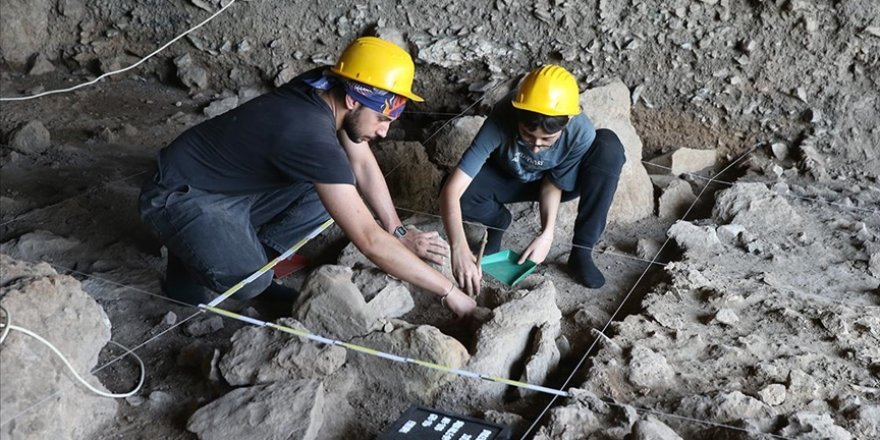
[352, 128]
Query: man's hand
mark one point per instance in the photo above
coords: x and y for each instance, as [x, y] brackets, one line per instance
[460, 304]
[465, 270]
[427, 245]
[538, 249]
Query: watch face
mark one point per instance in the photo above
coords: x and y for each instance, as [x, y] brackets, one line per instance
[400, 231]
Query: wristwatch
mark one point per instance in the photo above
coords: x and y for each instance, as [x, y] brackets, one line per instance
[399, 231]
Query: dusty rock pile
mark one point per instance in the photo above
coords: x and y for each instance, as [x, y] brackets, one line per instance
[759, 327]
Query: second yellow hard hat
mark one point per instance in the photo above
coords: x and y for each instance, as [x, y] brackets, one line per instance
[549, 90]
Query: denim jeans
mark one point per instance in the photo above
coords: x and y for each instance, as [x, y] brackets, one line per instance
[220, 238]
[598, 174]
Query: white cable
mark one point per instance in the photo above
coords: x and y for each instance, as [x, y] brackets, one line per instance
[125, 69]
[8, 326]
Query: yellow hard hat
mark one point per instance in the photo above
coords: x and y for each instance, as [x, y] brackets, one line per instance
[549, 90]
[378, 63]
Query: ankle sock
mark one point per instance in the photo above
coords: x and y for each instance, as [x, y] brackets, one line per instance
[585, 271]
[493, 241]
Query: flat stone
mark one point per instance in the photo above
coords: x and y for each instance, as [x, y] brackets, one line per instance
[609, 107]
[417, 342]
[726, 316]
[653, 429]
[446, 148]
[220, 106]
[773, 394]
[693, 238]
[204, 326]
[676, 199]
[649, 369]
[264, 355]
[277, 411]
[682, 161]
[806, 424]
[31, 138]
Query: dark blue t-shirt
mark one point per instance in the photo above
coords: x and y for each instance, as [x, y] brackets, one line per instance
[284, 137]
[498, 142]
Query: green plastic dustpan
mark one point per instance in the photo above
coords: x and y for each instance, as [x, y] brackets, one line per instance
[502, 266]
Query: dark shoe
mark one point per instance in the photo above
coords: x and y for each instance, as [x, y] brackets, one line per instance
[279, 293]
[179, 285]
[585, 271]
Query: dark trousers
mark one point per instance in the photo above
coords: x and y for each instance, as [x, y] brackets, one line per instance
[598, 174]
[220, 238]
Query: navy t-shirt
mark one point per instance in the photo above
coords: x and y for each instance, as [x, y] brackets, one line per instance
[498, 142]
[284, 137]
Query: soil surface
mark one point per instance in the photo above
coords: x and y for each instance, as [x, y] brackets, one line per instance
[791, 299]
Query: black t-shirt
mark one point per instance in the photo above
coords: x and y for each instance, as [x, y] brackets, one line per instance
[284, 137]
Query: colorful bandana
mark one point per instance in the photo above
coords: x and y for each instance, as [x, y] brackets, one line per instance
[387, 103]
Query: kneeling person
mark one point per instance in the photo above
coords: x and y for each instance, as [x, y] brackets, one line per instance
[243, 187]
[536, 145]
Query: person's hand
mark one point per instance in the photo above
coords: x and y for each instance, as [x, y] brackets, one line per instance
[460, 304]
[465, 270]
[428, 246]
[538, 249]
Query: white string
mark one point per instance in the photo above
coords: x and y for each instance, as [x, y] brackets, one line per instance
[626, 298]
[125, 69]
[794, 196]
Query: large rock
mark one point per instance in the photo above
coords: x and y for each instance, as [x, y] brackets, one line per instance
[190, 73]
[278, 411]
[504, 340]
[723, 407]
[805, 425]
[609, 107]
[653, 429]
[455, 51]
[418, 342]
[544, 355]
[262, 354]
[586, 416]
[413, 180]
[649, 369]
[697, 240]
[755, 207]
[43, 245]
[682, 160]
[31, 138]
[24, 29]
[676, 199]
[333, 306]
[447, 147]
[54, 307]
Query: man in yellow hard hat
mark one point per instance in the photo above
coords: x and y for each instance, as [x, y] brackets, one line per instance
[536, 145]
[240, 188]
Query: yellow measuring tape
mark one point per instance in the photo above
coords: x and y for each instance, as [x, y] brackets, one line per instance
[382, 354]
[212, 307]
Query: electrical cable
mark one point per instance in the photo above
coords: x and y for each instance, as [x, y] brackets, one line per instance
[7, 326]
[125, 69]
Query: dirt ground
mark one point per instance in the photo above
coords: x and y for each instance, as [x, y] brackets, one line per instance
[704, 74]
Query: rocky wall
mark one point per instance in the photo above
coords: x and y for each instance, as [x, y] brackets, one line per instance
[709, 73]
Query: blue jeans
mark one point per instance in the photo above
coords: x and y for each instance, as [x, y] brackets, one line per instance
[220, 238]
[598, 174]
